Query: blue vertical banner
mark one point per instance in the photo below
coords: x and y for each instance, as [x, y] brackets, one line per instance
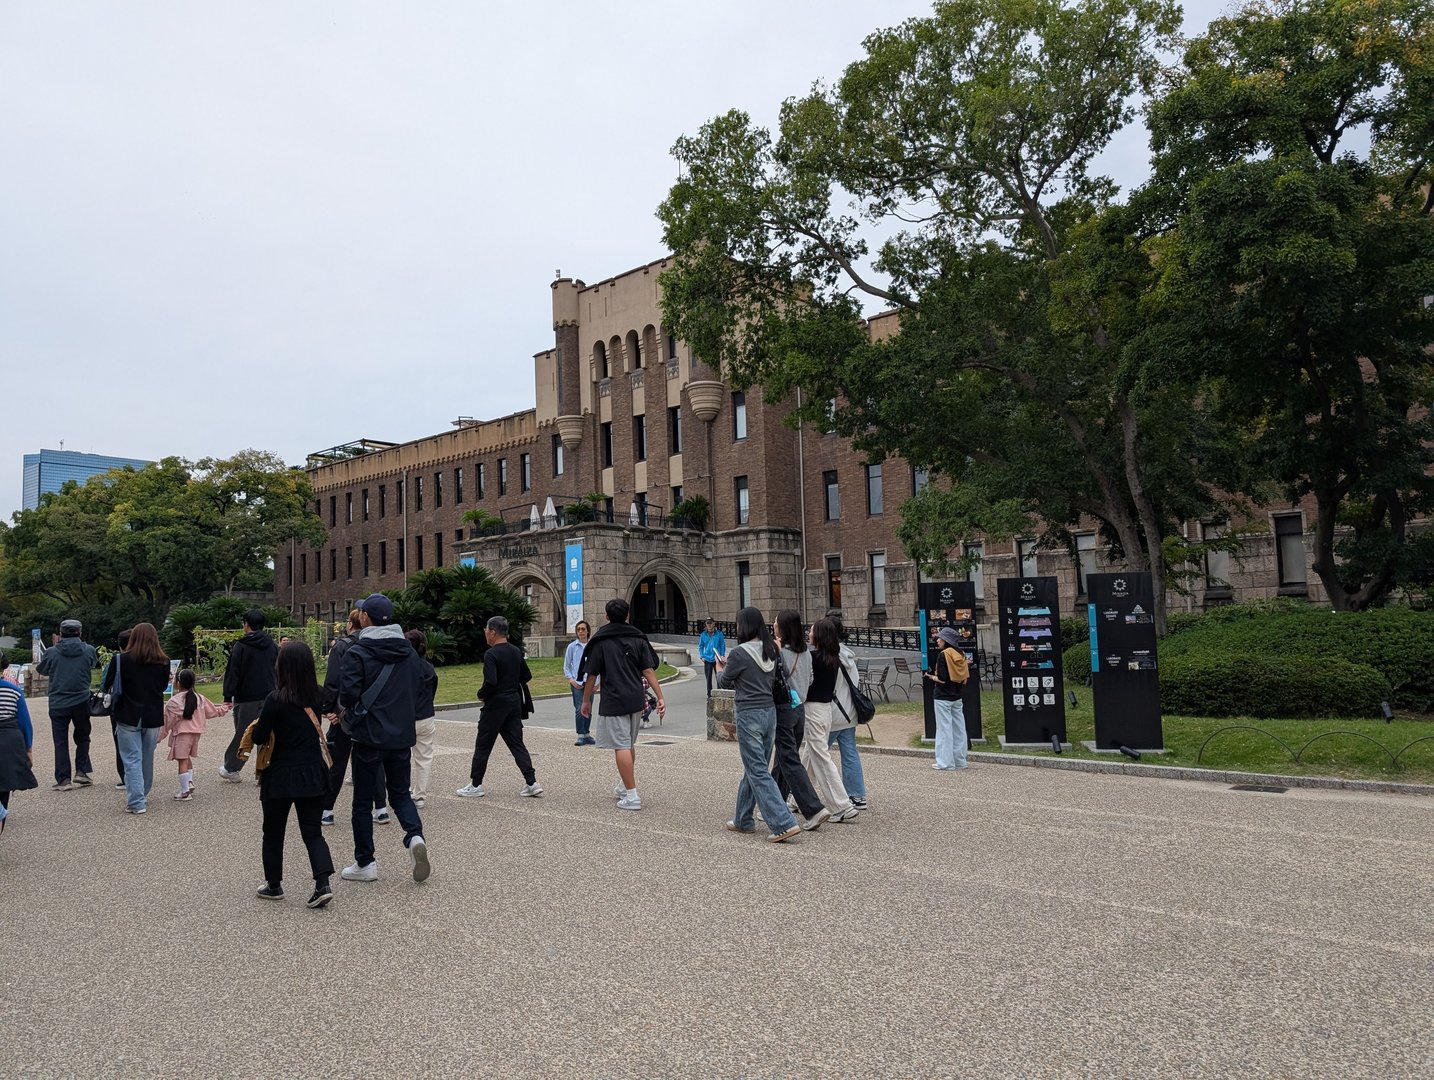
[573, 562]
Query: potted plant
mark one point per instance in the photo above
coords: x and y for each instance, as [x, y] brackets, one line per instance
[484, 523]
[691, 513]
[583, 509]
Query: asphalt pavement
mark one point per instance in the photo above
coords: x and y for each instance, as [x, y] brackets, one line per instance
[994, 922]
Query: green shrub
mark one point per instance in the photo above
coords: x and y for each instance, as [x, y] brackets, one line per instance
[1076, 662]
[1245, 684]
[1397, 642]
[20, 654]
[1073, 631]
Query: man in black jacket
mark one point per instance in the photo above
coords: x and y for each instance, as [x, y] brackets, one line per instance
[623, 658]
[379, 690]
[248, 680]
[503, 693]
[340, 744]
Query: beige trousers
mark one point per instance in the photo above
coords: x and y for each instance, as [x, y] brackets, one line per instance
[422, 759]
[817, 758]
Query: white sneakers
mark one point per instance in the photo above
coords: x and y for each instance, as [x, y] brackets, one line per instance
[380, 816]
[471, 791]
[629, 801]
[361, 873]
[813, 823]
[844, 816]
[229, 777]
[418, 858]
[531, 791]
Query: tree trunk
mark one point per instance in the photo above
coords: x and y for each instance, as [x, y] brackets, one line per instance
[1149, 520]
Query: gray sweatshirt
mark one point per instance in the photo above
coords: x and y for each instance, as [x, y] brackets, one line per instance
[799, 670]
[750, 676]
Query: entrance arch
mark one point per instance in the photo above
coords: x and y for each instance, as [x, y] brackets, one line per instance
[534, 585]
[665, 597]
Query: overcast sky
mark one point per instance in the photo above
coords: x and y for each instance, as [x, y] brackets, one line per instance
[291, 225]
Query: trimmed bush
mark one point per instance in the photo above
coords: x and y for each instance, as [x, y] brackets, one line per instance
[1215, 684]
[1073, 631]
[1076, 662]
[1397, 642]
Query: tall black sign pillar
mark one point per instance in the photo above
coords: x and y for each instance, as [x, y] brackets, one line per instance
[949, 603]
[1031, 677]
[1124, 677]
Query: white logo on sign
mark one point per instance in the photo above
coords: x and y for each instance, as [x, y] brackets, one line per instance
[1018, 699]
[1018, 684]
[1028, 590]
[1048, 682]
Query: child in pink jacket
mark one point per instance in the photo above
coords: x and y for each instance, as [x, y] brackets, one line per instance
[184, 717]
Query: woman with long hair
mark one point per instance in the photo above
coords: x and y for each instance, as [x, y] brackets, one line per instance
[297, 775]
[138, 713]
[816, 755]
[787, 768]
[750, 671]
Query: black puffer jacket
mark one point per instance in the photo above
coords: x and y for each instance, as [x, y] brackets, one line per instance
[250, 673]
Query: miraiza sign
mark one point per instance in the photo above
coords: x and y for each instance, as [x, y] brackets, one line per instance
[518, 552]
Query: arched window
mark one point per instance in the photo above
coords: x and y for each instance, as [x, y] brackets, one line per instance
[634, 350]
[600, 368]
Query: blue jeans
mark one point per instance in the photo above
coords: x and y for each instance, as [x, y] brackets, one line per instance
[583, 723]
[756, 735]
[851, 775]
[136, 747]
[950, 734]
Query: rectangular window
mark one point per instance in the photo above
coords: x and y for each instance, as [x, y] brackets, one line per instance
[418, 551]
[333, 564]
[833, 581]
[482, 479]
[557, 455]
[365, 504]
[437, 549]
[304, 568]
[365, 560]
[919, 479]
[1217, 563]
[676, 494]
[873, 489]
[833, 495]
[739, 415]
[502, 476]
[382, 558]
[348, 507]
[744, 584]
[525, 472]
[398, 490]
[382, 501]
[671, 347]
[1085, 560]
[333, 511]
[640, 502]
[1290, 550]
[318, 567]
[1027, 551]
[974, 575]
[674, 430]
[348, 563]
[437, 490]
[607, 510]
[639, 437]
[605, 441]
[418, 493]
[318, 508]
[402, 559]
[458, 484]
[744, 505]
[291, 569]
[878, 579]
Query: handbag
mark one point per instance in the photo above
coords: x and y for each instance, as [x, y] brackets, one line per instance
[102, 701]
[864, 706]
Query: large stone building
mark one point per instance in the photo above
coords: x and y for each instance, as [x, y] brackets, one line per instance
[625, 410]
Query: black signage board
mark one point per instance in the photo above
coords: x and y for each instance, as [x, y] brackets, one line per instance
[1124, 675]
[949, 603]
[1032, 689]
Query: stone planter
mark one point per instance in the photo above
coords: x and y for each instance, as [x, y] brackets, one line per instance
[570, 430]
[721, 716]
[706, 397]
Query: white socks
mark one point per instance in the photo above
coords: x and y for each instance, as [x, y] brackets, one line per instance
[185, 779]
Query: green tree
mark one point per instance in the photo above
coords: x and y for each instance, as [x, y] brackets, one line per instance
[960, 148]
[1294, 149]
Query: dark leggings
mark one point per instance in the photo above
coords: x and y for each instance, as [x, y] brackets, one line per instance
[276, 821]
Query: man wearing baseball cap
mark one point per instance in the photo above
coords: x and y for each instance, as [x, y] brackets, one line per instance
[379, 690]
[67, 664]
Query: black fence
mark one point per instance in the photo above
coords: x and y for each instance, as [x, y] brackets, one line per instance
[860, 637]
[517, 520]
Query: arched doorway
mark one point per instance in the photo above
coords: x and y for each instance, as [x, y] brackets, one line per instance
[534, 586]
[660, 604]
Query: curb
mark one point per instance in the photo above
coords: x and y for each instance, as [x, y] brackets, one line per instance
[1166, 772]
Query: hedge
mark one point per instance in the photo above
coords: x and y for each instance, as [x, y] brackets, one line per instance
[1213, 684]
[1397, 642]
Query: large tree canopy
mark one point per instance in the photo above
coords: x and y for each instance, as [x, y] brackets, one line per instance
[170, 532]
[960, 148]
[1294, 154]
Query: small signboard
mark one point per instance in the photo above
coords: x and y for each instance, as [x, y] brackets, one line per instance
[1124, 672]
[1032, 687]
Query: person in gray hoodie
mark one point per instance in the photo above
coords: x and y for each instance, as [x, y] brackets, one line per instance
[750, 671]
[67, 664]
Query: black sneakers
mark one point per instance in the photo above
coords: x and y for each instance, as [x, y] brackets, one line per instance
[270, 892]
[322, 895]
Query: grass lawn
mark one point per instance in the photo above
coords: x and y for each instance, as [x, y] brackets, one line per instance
[460, 682]
[1249, 751]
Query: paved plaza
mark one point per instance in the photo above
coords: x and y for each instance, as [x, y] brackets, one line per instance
[997, 922]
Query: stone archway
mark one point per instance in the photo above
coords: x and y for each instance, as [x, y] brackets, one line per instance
[665, 597]
[535, 584]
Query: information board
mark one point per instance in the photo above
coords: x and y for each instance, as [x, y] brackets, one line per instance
[1032, 688]
[1124, 673]
[949, 603]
